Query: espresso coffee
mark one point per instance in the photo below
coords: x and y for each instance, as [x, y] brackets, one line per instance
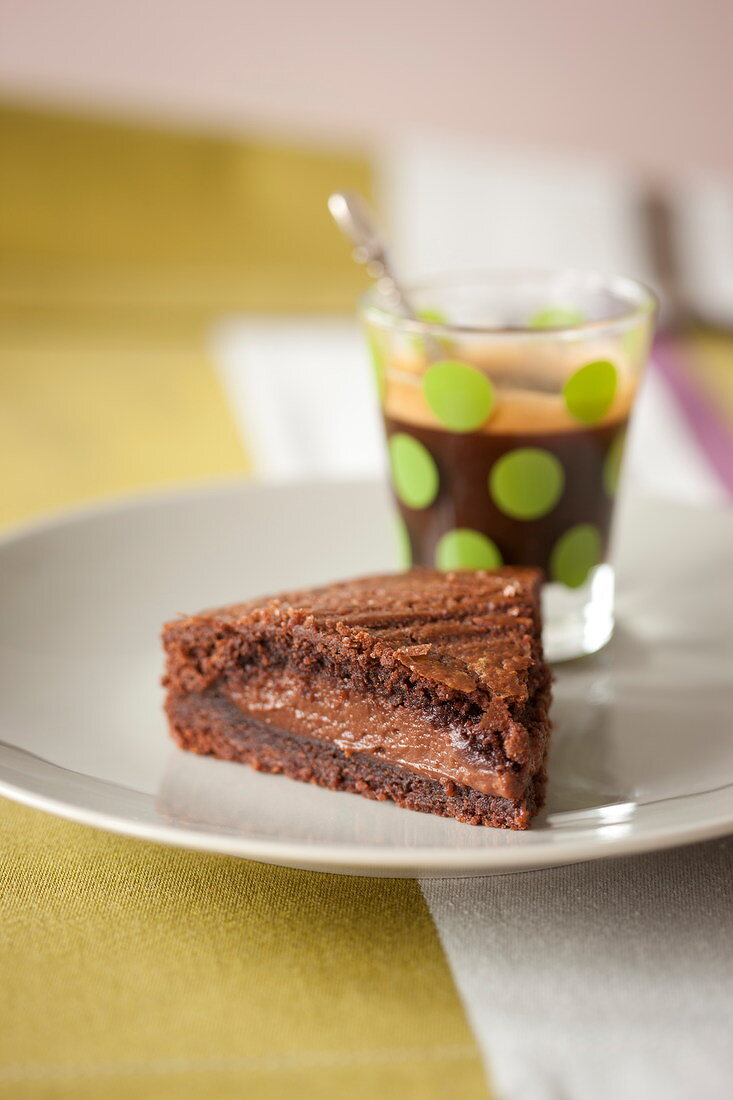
[532, 481]
[586, 456]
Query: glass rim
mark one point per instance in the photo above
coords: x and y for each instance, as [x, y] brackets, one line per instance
[641, 301]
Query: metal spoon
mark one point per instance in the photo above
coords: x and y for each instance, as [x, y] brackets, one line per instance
[359, 224]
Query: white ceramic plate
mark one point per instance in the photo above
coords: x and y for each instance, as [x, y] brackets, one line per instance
[642, 756]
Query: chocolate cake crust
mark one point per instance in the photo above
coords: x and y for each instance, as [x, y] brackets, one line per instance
[422, 681]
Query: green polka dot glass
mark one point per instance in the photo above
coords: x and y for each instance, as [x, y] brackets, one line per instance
[505, 401]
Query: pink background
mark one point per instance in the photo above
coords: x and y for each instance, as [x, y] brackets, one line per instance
[648, 80]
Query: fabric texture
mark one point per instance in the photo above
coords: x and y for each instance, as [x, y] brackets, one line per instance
[608, 979]
[133, 970]
[85, 414]
[139, 222]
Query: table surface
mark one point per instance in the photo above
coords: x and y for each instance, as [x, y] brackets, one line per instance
[171, 974]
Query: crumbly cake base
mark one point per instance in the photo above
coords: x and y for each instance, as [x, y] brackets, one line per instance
[207, 723]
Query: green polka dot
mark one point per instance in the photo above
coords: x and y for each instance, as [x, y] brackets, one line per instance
[403, 544]
[379, 367]
[590, 391]
[556, 317]
[460, 395]
[574, 555]
[463, 548]
[414, 472]
[526, 483]
[612, 465]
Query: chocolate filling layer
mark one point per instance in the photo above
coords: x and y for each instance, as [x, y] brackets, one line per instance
[315, 707]
[209, 724]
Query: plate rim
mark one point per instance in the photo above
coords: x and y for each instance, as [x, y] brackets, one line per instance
[429, 861]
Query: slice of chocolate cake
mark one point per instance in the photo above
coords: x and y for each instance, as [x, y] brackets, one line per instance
[426, 688]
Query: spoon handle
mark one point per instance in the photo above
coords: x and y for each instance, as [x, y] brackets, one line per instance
[358, 223]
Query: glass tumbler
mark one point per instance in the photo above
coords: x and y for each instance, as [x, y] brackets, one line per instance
[506, 405]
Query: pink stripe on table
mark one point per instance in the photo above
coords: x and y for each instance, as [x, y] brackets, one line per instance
[713, 436]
